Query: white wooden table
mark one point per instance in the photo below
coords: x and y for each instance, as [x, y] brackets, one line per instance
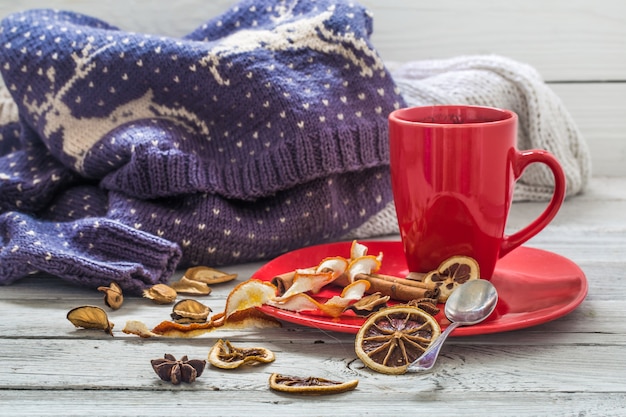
[571, 366]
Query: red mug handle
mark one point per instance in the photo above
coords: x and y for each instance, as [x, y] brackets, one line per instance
[522, 160]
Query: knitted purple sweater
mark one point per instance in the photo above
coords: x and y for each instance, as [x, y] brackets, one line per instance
[262, 131]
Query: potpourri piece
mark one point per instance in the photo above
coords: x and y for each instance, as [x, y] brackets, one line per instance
[90, 317]
[309, 385]
[176, 371]
[392, 338]
[113, 296]
[225, 355]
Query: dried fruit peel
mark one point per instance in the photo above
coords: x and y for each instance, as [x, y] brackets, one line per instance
[451, 274]
[224, 355]
[251, 293]
[392, 338]
[309, 385]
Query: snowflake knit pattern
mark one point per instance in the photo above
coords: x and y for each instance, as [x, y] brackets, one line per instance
[262, 131]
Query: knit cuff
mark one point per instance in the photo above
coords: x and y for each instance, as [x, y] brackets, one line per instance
[163, 171]
[90, 252]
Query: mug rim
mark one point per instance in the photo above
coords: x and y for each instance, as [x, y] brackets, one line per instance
[497, 115]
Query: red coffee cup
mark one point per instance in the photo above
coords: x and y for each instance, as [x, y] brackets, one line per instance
[453, 172]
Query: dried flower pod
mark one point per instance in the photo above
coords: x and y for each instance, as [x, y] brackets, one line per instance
[190, 311]
[113, 297]
[369, 304]
[189, 286]
[177, 371]
[208, 275]
[90, 317]
[429, 305]
[161, 294]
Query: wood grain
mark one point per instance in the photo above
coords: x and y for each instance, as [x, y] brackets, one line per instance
[569, 366]
[566, 40]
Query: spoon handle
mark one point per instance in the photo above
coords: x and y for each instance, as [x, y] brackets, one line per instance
[428, 358]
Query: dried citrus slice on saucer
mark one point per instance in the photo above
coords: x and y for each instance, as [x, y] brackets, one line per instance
[451, 273]
[392, 338]
[309, 385]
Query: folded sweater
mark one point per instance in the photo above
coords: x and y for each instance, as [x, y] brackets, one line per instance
[124, 156]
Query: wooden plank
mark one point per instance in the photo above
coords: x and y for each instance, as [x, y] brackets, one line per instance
[565, 40]
[361, 402]
[547, 35]
[599, 110]
[55, 364]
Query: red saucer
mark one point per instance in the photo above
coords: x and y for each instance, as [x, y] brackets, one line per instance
[534, 287]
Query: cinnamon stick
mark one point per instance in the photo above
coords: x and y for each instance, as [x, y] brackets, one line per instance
[284, 281]
[399, 289]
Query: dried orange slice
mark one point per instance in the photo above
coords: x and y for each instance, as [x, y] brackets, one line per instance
[309, 385]
[226, 356]
[452, 273]
[394, 337]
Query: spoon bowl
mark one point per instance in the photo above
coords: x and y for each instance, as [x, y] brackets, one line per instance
[469, 304]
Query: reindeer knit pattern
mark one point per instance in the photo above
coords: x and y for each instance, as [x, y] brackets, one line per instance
[262, 131]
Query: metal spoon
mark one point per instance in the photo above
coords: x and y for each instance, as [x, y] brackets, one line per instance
[469, 304]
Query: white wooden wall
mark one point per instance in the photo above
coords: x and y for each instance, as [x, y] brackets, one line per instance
[579, 46]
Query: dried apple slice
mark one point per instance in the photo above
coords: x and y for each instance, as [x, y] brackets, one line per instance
[224, 355]
[309, 385]
[452, 273]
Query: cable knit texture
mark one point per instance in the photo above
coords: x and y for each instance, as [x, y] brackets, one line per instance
[124, 156]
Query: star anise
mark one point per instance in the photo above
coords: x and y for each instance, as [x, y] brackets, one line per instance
[177, 371]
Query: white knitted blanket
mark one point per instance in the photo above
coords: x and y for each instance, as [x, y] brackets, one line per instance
[488, 80]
